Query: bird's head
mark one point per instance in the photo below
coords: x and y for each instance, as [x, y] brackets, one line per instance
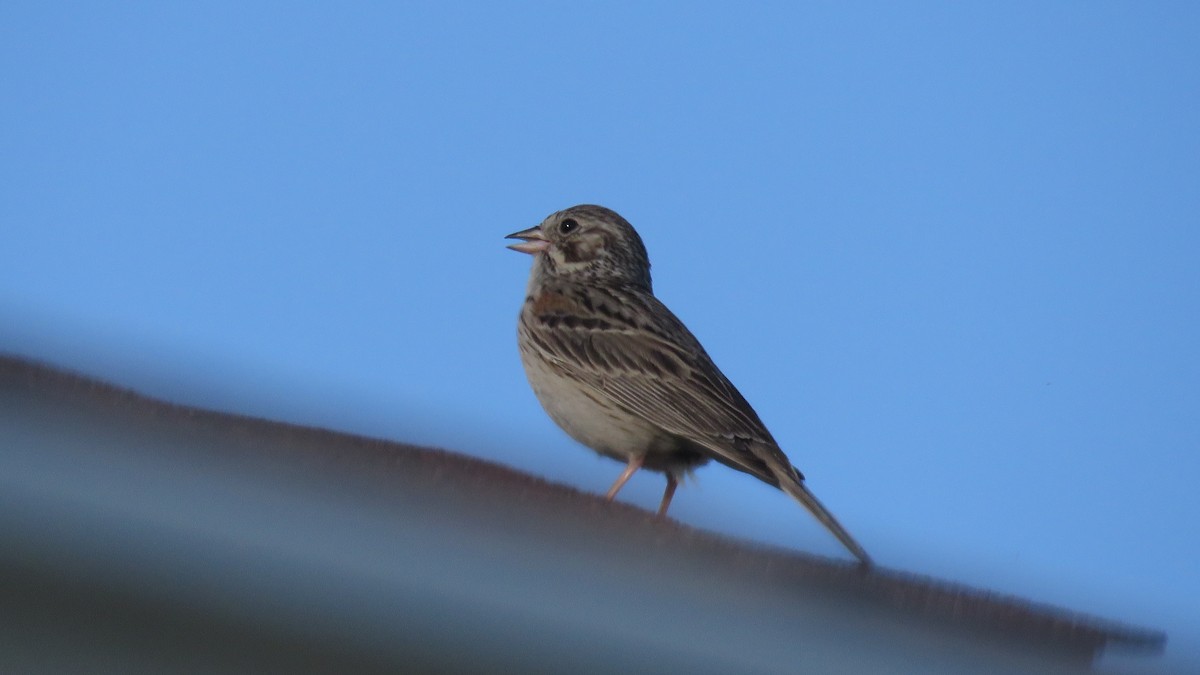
[587, 244]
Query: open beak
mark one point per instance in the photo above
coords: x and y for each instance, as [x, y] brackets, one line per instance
[532, 241]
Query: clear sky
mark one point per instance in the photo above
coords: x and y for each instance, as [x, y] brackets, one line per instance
[950, 252]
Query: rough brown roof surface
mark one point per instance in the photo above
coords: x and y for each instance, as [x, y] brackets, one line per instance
[452, 492]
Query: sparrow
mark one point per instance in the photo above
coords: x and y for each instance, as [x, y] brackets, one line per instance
[621, 374]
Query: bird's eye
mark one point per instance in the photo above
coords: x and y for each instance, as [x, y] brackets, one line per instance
[568, 226]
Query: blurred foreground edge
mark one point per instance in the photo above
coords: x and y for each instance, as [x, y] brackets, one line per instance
[142, 536]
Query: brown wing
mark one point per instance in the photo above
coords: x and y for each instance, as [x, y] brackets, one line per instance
[631, 349]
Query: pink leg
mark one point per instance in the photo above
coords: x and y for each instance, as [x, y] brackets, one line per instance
[668, 494]
[630, 469]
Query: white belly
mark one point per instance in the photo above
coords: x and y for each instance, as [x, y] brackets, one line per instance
[584, 415]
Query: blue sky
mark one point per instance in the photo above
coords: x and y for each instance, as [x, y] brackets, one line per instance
[948, 251]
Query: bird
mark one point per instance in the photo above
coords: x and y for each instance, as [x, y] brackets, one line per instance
[622, 375]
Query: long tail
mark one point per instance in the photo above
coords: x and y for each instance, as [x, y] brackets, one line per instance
[801, 493]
